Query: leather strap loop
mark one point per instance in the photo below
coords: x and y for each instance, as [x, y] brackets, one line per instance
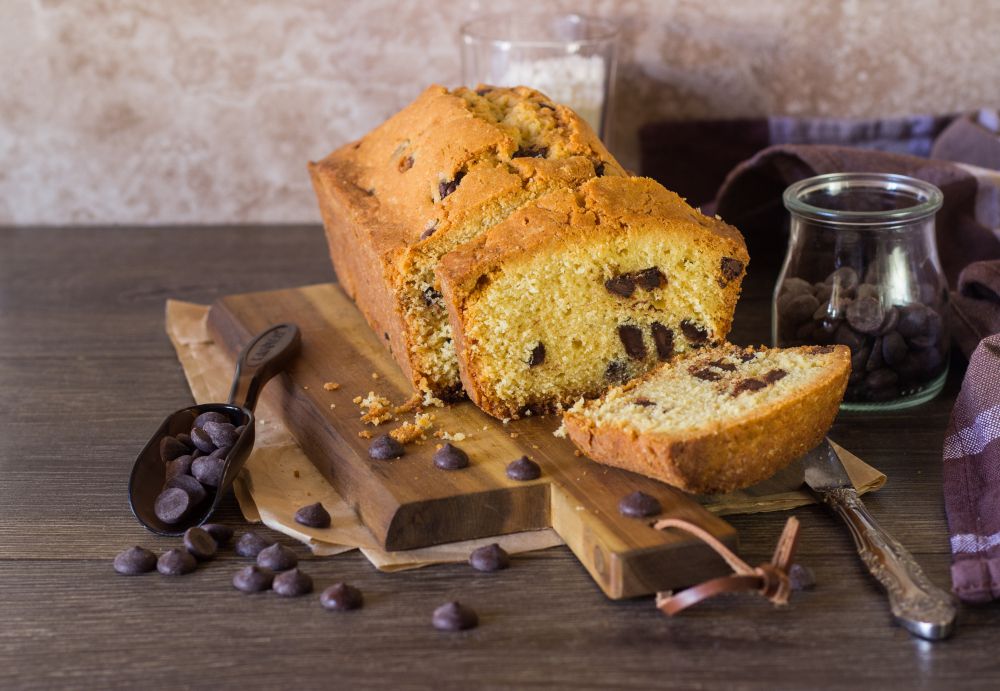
[769, 580]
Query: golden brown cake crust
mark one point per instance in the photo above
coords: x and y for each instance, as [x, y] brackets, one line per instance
[734, 453]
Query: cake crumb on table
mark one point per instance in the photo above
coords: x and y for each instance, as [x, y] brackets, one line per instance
[374, 375]
[410, 432]
[331, 386]
[365, 434]
[375, 409]
[412, 404]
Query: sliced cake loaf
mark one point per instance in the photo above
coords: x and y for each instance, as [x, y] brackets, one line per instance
[436, 175]
[719, 419]
[586, 288]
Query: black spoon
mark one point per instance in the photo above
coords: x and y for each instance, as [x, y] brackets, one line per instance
[264, 356]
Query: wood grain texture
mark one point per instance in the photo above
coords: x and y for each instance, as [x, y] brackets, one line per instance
[407, 503]
[87, 372]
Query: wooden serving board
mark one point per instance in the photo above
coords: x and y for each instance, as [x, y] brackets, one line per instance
[408, 503]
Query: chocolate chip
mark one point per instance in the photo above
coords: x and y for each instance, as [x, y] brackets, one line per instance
[875, 359]
[210, 416]
[179, 466]
[446, 188]
[531, 152]
[723, 365]
[292, 583]
[222, 434]
[172, 505]
[731, 270]
[208, 470]
[134, 561]
[643, 402]
[523, 470]
[845, 278]
[189, 485]
[663, 339]
[859, 359]
[801, 577]
[775, 375]
[749, 384]
[185, 439]
[933, 331]
[623, 285]
[881, 379]
[483, 92]
[599, 168]
[450, 457]
[912, 320]
[453, 616]
[845, 335]
[431, 296]
[894, 350]
[222, 534]
[650, 279]
[252, 579]
[867, 290]
[277, 557]
[200, 544]
[221, 453]
[313, 516]
[639, 505]
[384, 447]
[705, 374]
[693, 332]
[201, 440]
[537, 355]
[341, 597]
[170, 449]
[890, 322]
[865, 315]
[175, 562]
[798, 308]
[489, 558]
[746, 355]
[405, 163]
[631, 338]
[616, 372]
[429, 229]
[250, 545]
[794, 286]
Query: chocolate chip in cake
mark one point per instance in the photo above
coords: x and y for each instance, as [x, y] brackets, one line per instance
[489, 558]
[175, 562]
[341, 597]
[453, 616]
[292, 583]
[822, 350]
[639, 505]
[405, 163]
[190, 486]
[431, 296]
[746, 355]
[705, 374]
[775, 375]
[450, 457]
[723, 365]
[384, 447]
[449, 186]
[631, 338]
[210, 416]
[200, 544]
[277, 557]
[616, 372]
[650, 279]
[313, 516]
[731, 270]
[172, 505]
[531, 152]
[134, 561]
[170, 449]
[523, 470]
[663, 339]
[208, 470]
[643, 402]
[201, 440]
[251, 544]
[547, 106]
[252, 579]
[749, 384]
[865, 315]
[693, 332]
[429, 229]
[537, 356]
[483, 92]
[222, 434]
[222, 534]
[623, 285]
[599, 168]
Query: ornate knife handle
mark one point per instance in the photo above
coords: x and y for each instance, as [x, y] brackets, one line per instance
[918, 605]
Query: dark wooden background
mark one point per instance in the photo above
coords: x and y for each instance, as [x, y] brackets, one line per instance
[86, 373]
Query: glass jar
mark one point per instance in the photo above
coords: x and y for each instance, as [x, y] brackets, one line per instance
[570, 57]
[862, 270]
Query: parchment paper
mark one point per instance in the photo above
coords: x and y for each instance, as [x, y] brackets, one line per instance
[278, 477]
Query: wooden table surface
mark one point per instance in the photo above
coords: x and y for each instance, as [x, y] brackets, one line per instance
[86, 373]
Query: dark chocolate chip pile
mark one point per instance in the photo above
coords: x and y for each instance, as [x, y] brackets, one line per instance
[222, 534]
[341, 597]
[384, 448]
[453, 616]
[489, 558]
[896, 348]
[639, 505]
[450, 457]
[200, 544]
[523, 469]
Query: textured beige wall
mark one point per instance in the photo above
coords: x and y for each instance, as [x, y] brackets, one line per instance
[203, 111]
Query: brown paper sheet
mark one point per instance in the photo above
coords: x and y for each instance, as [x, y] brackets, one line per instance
[278, 477]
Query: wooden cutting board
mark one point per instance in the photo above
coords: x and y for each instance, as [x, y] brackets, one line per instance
[408, 503]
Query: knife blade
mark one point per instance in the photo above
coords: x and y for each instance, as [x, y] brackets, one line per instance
[918, 605]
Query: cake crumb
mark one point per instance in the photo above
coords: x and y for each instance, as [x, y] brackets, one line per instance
[331, 386]
[486, 428]
[332, 406]
[375, 409]
[412, 404]
[578, 453]
[560, 431]
[430, 400]
[514, 435]
[374, 375]
[305, 388]
[410, 432]
[365, 434]
[456, 436]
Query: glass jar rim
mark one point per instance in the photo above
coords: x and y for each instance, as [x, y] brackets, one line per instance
[927, 198]
[485, 28]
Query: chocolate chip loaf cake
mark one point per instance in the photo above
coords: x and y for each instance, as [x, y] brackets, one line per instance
[434, 176]
[585, 288]
[716, 420]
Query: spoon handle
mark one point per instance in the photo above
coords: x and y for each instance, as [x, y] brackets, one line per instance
[268, 353]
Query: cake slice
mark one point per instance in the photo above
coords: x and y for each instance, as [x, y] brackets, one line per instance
[717, 420]
[586, 288]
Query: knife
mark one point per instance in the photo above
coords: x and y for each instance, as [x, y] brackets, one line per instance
[918, 605]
